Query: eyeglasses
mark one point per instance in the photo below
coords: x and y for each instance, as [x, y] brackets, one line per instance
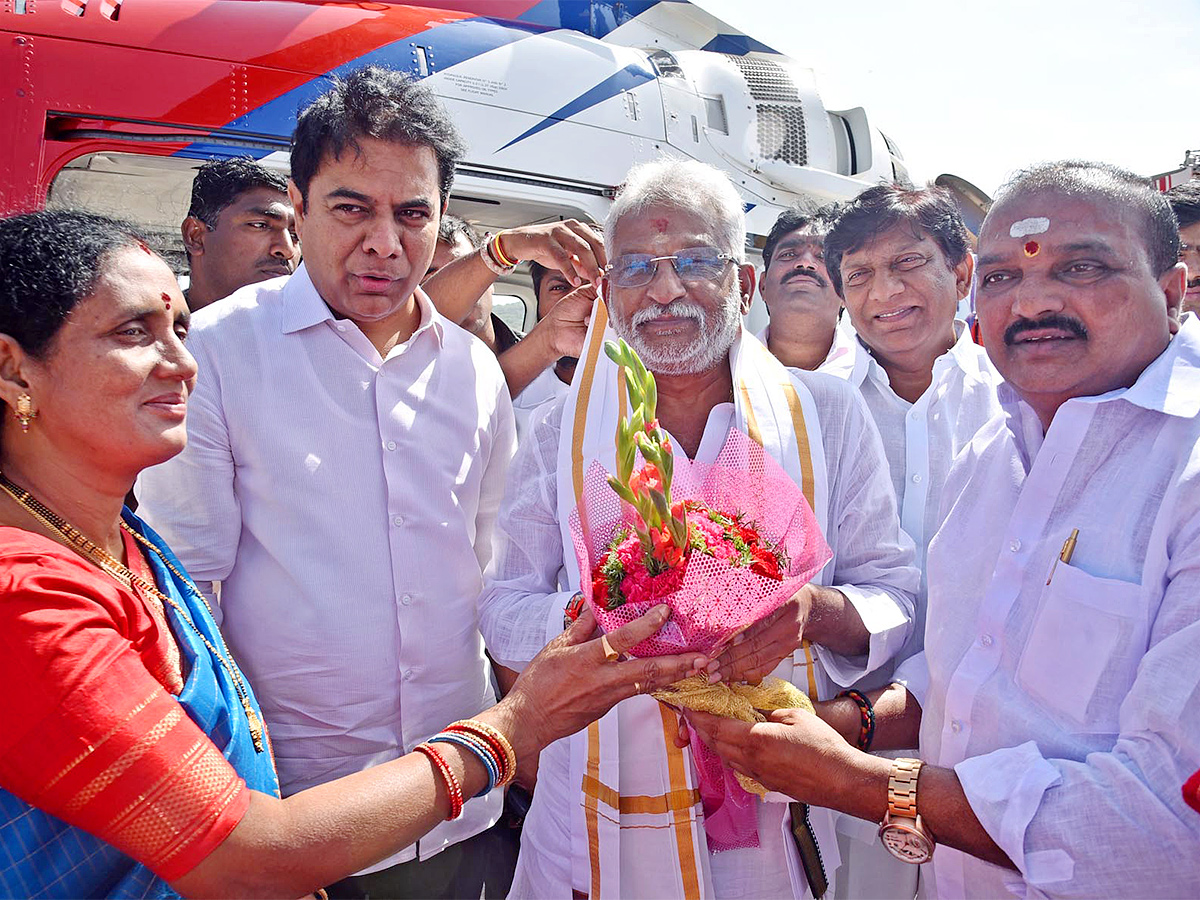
[691, 265]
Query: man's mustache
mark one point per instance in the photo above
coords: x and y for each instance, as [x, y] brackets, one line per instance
[1051, 321]
[810, 273]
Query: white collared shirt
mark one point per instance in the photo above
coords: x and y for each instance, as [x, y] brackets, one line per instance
[546, 387]
[921, 439]
[346, 503]
[1070, 711]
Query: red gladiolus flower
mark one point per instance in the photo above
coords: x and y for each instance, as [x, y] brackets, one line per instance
[647, 477]
[600, 590]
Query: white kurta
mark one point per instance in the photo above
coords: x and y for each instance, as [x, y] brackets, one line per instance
[1071, 710]
[523, 606]
[920, 440]
[546, 387]
[346, 503]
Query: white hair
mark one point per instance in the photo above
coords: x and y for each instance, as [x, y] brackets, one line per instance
[689, 186]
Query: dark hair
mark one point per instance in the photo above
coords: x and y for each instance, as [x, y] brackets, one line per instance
[537, 272]
[49, 261]
[879, 209]
[451, 227]
[220, 182]
[378, 103]
[815, 223]
[1185, 200]
[1096, 180]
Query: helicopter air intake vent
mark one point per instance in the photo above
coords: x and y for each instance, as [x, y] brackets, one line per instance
[780, 114]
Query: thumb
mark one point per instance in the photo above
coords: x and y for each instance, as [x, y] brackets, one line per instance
[783, 716]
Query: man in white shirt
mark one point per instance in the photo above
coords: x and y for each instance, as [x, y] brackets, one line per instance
[900, 259]
[1058, 697]
[806, 329]
[347, 454]
[677, 287]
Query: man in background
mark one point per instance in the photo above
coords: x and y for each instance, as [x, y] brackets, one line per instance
[1185, 201]
[805, 310]
[240, 229]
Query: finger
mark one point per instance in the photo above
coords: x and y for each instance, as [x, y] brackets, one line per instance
[633, 633]
[595, 243]
[644, 676]
[683, 735]
[555, 256]
[580, 631]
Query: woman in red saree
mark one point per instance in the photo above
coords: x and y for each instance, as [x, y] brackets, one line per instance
[133, 758]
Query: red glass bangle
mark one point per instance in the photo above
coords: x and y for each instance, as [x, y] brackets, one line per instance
[453, 789]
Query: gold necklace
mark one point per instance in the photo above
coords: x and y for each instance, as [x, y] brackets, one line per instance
[81, 544]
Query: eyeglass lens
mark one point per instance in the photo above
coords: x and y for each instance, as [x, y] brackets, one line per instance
[693, 264]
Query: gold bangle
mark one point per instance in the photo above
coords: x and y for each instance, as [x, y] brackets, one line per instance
[510, 755]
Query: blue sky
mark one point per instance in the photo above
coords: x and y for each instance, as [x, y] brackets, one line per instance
[980, 89]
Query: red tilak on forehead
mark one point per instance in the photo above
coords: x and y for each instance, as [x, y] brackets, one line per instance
[660, 225]
[166, 299]
[1032, 248]
[145, 247]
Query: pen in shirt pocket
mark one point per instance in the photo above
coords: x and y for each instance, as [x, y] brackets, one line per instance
[1065, 554]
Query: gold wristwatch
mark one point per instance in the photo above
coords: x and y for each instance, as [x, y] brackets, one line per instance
[902, 831]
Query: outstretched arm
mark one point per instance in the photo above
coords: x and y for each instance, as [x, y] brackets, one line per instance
[322, 834]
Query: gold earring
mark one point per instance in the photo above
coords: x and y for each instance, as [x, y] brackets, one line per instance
[25, 411]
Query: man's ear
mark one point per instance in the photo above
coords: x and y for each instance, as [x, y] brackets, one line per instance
[194, 232]
[746, 281]
[964, 272]
[297, 201]
[1174, 285]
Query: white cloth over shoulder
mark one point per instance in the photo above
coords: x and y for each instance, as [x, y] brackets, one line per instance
[346, 502]
[621, 787]
[1071, 710]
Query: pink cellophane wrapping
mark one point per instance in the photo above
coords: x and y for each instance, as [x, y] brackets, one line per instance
[716, 600]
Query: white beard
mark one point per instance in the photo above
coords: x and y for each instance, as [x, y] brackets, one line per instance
[716, 335]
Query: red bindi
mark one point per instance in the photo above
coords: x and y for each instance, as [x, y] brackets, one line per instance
[1032, 248]
[660, 225]
[166, 299]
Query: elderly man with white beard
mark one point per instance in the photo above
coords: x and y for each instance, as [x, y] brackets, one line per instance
[618, 811]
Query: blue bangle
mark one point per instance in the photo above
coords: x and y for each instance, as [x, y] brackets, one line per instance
[465, 741]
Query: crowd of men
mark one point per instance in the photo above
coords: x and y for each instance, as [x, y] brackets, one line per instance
[1014, 593]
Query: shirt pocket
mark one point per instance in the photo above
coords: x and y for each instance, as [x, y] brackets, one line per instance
[1082, 654]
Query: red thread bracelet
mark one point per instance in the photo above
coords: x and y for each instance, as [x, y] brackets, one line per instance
[453, 789]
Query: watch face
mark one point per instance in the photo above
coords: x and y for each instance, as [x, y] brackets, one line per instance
[906, 843]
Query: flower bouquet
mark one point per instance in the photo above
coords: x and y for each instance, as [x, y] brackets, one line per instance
[723, 545]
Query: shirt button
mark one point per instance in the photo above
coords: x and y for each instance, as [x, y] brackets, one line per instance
[1014, 546]
[936, 416]
[917, 478]
[398, 521]
[406, 599]
[391, 445]
[956, 726]
[341, 327]
[408, 674]
[986, 640]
